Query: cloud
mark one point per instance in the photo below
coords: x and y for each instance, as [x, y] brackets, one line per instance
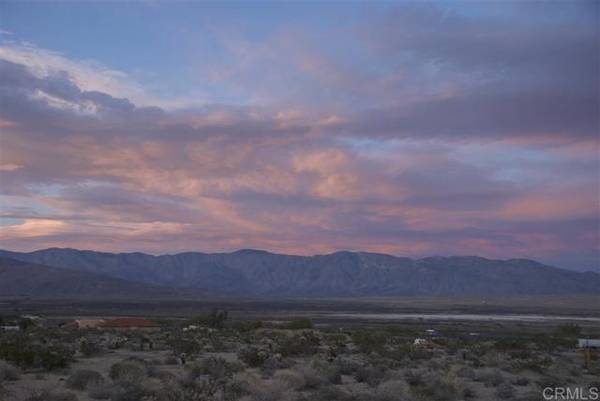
[486, 116]
[423, 70]
[88, 76]
[415, 147]
[33, 228]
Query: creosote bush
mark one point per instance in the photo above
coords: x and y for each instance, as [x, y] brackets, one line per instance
[171, 360]
[369, 341]
[313, 378]
[252, 356]
[248, 326]
[292, 378]
[89, 348]
[269, 390]
[569, 330]
[127, 371]
[333, 393]
[306, 343]
[8, 372]
[25, 353]
[100, 391]
[3, 392]
[81, 379]
[391, 390]
[490, 377]
[299, 324]
[437, 388]
[48, 395]
[369, 374]
[216, 368]
[505, 391]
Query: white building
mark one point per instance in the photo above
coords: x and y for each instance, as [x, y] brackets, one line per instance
[588, 343]
[10, 328]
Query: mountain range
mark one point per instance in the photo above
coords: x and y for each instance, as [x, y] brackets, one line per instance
[60, 272]
[30, 280]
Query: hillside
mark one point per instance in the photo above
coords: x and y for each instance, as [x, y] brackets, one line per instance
[260, 273]
[23, 279]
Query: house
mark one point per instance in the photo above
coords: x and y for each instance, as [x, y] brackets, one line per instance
[191, 327]
[423, 343]
[85, 324]
[35, 318]
[128, 324]
[419, 341]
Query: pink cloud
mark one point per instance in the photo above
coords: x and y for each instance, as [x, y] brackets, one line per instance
[281, 178]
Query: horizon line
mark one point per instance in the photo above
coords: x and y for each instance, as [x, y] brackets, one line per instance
[275, 253]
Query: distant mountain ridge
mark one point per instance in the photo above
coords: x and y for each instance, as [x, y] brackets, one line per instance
[25, 279]
[260, 273]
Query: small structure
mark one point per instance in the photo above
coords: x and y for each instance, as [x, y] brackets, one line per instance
[10, 328]
[191, 327]
[588, 343]
[130, 324]
[431, 332]
[423, 343]
[34, 318]
[81, 324]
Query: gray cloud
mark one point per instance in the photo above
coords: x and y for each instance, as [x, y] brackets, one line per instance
[101, 170]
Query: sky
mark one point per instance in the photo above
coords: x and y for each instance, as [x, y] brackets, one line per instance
[408, 128]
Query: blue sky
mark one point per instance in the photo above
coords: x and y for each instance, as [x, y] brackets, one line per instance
[155, 40]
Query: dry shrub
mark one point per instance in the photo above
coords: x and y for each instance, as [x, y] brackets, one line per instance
[334, 393]
[369, 374]
[268, 390]
[81, 379]
[3, 392]
[127, 371]
[303, 344]
[8, 372]
[331, 372]
[216, 368]
[520, 381]
[347, 366]
[48, 395]
[253, 356]
[171, 360]
[489, 377]
[415, 377]
[100, 391]
[505, 391]
[465, 372]
[294, 379]
[435, 387]
[166, 376]
[128, 391]
[275, 362]
[313, 378]
[391, 390]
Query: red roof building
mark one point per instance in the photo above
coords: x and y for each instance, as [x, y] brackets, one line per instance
[85, 323]
[130, 323]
